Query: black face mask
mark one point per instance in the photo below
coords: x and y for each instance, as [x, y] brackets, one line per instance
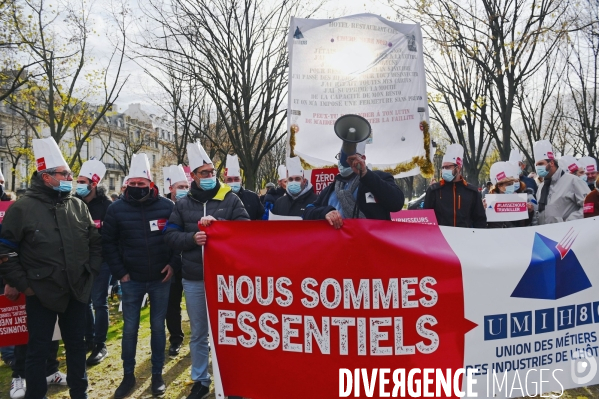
[138, 193]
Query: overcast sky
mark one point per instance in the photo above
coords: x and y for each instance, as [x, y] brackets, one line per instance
[139, 87]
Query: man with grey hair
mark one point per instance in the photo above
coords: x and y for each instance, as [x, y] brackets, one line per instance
[59, 254]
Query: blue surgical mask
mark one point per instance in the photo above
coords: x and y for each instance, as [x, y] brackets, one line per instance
[235, 186]
[447, 175]
[584, 178]
[542, 170]
[517, 186]
[343, 170]
[510, 189]
[65, 186]
[180, 193]
[208, 183]
[294, 187]
[83, 190]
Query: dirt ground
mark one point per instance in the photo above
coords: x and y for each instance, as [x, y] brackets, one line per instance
[105, 377]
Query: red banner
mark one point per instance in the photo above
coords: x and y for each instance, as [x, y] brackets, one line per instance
[4, 205]
[420, 216]
[13, 321]
[321, 178]
[362, 297]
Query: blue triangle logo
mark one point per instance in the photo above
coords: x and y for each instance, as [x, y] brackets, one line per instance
[298, 33]
[554, 271]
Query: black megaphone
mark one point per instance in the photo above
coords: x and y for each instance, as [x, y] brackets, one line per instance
[352, 129]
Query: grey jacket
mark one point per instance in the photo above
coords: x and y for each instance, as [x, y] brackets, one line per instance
[566, 198]
[183, 224]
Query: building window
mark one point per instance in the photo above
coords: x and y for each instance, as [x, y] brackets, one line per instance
[153, 160]
[111, 183]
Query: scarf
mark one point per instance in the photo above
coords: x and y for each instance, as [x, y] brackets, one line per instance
[346, 197]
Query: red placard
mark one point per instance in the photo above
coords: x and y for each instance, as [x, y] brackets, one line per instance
[4, 205]
[420, 216]
[13, 321]
[297, 321]
[589, 207]
[321, 178]
[187, 171]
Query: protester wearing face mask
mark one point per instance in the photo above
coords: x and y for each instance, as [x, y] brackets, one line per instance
[356, 193]
[561, 195]
[94, 196]
[591, 202]
[175, 181]
[250, 199]
[518, 159]
[134, 248]
[59, 254]
[505, 177]
[299, 191]
[589, 165]
[455, 202]
[208, 200]
[274, 194]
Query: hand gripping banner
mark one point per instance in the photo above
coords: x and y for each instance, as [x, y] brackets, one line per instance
[293, 303]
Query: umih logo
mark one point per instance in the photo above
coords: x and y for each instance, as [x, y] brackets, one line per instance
[554, 271]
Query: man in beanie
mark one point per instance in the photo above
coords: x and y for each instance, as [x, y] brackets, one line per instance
[208, 200]
[59, 253]
[250, 199]
[455, 201]
[561, 195]
[356, 192]
[136, 253]
[299, 191]
[94, 196]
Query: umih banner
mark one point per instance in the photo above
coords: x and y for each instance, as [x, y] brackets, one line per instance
[360, 64]
[384, 309]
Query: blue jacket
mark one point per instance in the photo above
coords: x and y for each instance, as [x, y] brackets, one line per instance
[132, 241]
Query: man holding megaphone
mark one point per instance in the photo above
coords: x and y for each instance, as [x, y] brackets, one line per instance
[356, 192]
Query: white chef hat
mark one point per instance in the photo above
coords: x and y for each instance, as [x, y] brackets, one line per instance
[543, 150]
[173, 174]
[502, 171]
[570, 163]
[232, 166]
[1, 175]
[454, 154]
[282, 172]
[47, 154]
[516, 157]
[140, 167]
[589, 164]
[197, 155]
[294, 167]
[125, 179]
[93, 169]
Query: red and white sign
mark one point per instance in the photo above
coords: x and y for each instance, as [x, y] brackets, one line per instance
[375, 295]
[4, 205]
[421, 216]
[98, 223]
[500, 176]
[13, 321]
[41, 164]
[550, 155]
[157, 225]
[590, 168]
[187, 171]
[506, 207]
[321, 178]
[95, 178]
[589, 207]
[573, 168]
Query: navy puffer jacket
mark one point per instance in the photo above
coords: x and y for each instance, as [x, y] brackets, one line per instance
[132, 238]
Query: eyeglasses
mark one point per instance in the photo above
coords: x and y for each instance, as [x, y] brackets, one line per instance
[64, 173]
[207, 173]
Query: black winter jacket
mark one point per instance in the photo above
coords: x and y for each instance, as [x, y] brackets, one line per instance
[183, 224]
[288, 206]
[274, 194]
[252, 203]
[387, 197]
[133, 239]
[457, 204]
[98, 206]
